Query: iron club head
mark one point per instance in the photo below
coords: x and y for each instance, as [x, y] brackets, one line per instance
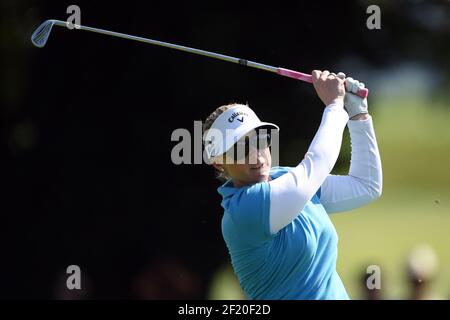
[41, 34]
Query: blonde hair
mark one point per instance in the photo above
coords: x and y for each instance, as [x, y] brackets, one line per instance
[221, 175]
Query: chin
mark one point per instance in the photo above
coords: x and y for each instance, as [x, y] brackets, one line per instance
[261, 176]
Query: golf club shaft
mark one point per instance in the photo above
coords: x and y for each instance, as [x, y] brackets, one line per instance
[281, 71]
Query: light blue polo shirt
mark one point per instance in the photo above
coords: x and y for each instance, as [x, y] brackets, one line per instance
[298, 262]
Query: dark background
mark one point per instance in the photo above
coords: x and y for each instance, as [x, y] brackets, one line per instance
[86, 126]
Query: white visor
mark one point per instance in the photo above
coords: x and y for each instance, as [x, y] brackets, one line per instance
[231, 126]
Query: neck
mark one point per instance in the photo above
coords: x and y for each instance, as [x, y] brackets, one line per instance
[240, 184]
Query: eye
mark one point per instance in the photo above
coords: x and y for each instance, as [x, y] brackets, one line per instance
[264, 141]
[241, 149]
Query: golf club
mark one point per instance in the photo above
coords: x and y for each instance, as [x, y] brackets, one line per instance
[41, 34]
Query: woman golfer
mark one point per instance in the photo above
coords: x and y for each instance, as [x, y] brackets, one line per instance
[280, 239]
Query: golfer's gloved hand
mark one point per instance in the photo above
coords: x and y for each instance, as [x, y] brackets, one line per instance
[353, 104]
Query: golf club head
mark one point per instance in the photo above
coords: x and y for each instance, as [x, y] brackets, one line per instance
[41, 34]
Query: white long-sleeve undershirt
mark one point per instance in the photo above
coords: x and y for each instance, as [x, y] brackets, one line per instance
[290, 193]
[364, 181]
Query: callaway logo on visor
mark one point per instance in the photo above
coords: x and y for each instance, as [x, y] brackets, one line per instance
[235, 115]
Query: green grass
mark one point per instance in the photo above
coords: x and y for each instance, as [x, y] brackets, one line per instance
[385, 231]
[414, 142]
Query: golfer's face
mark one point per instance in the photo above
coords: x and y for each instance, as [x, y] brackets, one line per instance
[252, 163]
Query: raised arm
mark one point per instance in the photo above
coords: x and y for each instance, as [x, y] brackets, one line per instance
[290, 192]
[363, 184]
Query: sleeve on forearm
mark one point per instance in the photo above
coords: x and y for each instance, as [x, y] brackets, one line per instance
[290, 192]
[363, 184]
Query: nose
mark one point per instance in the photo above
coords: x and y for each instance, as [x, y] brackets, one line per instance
[260, 158]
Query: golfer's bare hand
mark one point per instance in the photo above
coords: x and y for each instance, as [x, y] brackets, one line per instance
[329, 88]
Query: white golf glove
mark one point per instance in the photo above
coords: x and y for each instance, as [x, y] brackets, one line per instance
[353, 104]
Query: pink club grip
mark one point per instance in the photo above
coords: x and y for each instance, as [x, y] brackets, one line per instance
[363, 93]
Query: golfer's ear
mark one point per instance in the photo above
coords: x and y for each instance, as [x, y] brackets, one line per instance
[218, 166]
[217, 162]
